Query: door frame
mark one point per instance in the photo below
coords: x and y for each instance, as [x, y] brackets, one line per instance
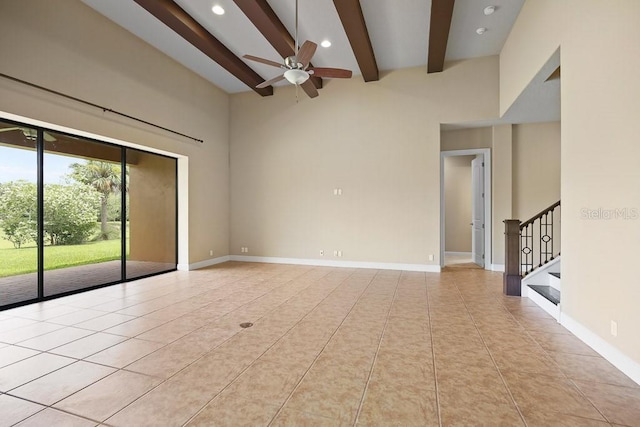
[486, 155]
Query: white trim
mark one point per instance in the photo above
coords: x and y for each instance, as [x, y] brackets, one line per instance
[429, 268]
[488, 219]
[544, 270]
[448, 253]
[542, 302]
[203, 264]
[618, 359]
[497, 267]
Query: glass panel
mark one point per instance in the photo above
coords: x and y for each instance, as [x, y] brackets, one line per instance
[82, 227]
[18, 214]
[151, 193]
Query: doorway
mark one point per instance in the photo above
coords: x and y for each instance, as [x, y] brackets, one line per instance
[465, 208]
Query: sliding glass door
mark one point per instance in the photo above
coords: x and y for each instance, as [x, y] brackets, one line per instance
[18, 214]
[76, 214]
[82, 213]
[151, 194]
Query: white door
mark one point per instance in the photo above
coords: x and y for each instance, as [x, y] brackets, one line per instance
[477, 210]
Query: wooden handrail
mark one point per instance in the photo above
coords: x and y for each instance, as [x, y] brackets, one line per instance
[533, 218]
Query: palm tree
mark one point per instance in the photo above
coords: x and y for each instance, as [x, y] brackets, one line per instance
[105, 178]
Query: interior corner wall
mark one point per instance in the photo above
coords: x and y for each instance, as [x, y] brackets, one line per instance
[66, 46]
[599, 152]
[502, 182]
[536, 168]
[379, 142]
[458, 196]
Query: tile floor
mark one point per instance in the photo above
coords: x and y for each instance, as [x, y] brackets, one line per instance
[328, 346]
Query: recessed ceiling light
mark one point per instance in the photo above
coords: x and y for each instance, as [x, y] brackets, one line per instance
[489, 10]
[217, 9]
[325, 43]
[481, 30]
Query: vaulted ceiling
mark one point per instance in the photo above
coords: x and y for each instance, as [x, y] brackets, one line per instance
[367, 36]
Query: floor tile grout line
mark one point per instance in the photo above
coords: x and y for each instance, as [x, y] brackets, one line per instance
[322, 349]
[201, 356]
[433, 353]
[375, 357]
[44, 408]
[275, 342]
[192, 332]
[256, 273]
[564, 375]
[590, 401]
[495, 364]
[112, 312]
[117, 369]
[51, 406]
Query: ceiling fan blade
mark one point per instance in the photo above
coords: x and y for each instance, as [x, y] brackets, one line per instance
[9, 129]
[332, 73]
[263, 61]
[309, 88]
[306, 52]
[270, 81]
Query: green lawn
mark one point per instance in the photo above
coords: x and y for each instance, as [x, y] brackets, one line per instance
[24, 260]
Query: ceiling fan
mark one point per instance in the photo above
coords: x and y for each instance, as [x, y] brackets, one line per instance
[297, 69]
[30, 134]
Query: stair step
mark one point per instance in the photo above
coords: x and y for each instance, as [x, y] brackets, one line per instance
[550, 293]
[555, 275]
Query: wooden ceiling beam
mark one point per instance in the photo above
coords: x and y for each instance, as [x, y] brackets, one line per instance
[354, 25]
[441, 14]
[267, 22]
[174, 17]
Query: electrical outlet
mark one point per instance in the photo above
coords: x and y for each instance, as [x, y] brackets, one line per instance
[211, 252]
[431, 257]
[614, 328]
[321, 252]
[335, 253]
[339, 253]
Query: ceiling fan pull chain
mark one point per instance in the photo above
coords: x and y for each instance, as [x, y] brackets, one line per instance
[296, 30]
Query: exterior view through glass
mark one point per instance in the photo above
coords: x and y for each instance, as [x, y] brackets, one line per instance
[76, 214]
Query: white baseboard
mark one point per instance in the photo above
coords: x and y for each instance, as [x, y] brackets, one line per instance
[497, 267]
[335, 263]
[618, 359]
[458, 253]
[203, 264]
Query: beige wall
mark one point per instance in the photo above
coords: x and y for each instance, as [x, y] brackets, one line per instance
[379, 142]
[501, 187]
[466, 139]
[599, 152]
[66, 46]
[536, 168]
[457, 195]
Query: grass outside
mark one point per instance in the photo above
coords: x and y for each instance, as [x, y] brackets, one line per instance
[24, 260]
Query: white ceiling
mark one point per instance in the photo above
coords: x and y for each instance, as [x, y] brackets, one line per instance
[399, 33]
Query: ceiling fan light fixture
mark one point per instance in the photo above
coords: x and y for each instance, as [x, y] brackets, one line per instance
[296, 77]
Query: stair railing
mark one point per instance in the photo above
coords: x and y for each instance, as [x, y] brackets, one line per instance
[530, 245]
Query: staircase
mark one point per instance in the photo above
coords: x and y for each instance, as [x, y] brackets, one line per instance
[532, 259]
[543, 287]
